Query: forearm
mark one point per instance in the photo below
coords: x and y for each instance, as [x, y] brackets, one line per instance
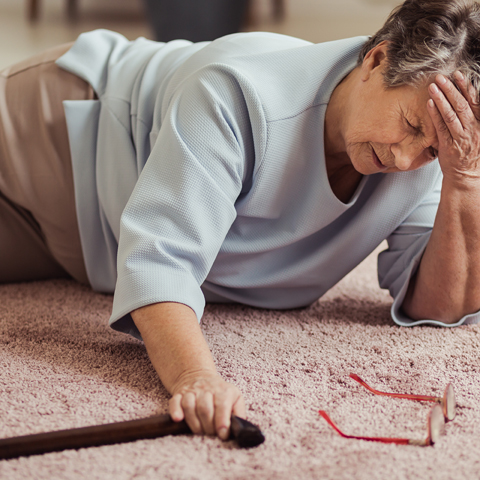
[174, 341]
[447, 283]
[182, 359]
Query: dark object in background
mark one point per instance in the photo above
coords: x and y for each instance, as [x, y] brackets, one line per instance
[216, 17]
[195, 20]
[33, 9]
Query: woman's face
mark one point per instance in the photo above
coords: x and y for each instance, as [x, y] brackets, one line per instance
[388, 129]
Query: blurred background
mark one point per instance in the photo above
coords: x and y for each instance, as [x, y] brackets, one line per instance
[30, 26]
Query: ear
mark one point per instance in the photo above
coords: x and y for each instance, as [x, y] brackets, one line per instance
[374, 60]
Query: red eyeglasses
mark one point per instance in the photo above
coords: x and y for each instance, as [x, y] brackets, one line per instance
[444, 410]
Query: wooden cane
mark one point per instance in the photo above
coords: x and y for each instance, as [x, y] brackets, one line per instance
[245, 433]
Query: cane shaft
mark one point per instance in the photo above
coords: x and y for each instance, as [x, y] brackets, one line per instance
[108, 434]
[246, 434]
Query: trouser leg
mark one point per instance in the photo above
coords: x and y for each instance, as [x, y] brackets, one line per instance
[36, 179]
[23, 253]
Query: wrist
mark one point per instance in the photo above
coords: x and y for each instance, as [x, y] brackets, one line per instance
[460, 197]
[462, 182]
[194, 377]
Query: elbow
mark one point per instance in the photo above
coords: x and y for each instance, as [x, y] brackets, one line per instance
[430, 314]
[422, 303]
[446, 312]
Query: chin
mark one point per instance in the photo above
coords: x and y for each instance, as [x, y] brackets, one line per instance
[364, 166]
[361, 159]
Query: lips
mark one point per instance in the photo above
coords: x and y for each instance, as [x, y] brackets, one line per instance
[377, 161]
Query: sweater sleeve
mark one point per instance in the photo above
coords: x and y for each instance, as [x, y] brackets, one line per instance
[183, 204]
[399, 263]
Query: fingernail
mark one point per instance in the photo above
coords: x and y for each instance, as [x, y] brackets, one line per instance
[441, 79]
[434, 88]
[223, 433]
[176, 417]
[459, 75]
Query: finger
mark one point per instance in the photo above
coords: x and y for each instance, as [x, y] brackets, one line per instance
[448, 114]
[239, 408]
[188, 405]
[456, 105]
[223, 411]
[175, 408]
[205, 412]
[443, 133]
[469, 92]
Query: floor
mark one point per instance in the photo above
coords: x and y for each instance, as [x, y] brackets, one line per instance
[313, 20]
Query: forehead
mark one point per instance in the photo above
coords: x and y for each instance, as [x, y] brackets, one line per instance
[414, 96]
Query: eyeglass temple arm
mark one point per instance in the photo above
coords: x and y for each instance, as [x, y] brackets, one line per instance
[397, 395]
[398, 441]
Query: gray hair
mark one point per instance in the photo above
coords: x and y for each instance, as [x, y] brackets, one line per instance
[427, 37]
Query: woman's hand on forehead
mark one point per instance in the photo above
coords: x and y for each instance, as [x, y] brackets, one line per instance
[456, 116]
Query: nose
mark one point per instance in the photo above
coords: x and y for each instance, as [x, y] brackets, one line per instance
[410, 156]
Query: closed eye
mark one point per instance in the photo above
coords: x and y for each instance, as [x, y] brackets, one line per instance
[416, 130]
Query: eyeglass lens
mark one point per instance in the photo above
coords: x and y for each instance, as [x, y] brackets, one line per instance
[436, 423]
[449, 402]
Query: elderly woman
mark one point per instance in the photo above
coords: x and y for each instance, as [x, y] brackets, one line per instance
[256, 169]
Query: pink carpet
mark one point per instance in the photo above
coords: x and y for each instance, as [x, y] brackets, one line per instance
[62, 367]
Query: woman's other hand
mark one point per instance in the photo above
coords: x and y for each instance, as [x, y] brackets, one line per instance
[446, 285]
[206, 402]
[456, 116]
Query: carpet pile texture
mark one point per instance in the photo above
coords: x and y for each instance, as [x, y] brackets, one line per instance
[62, 367]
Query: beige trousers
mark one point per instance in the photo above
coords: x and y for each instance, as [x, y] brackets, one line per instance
[39, 237]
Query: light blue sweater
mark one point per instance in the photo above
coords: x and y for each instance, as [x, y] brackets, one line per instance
[200, 175]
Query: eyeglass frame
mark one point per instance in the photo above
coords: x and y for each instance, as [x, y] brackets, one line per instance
[440, 413]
